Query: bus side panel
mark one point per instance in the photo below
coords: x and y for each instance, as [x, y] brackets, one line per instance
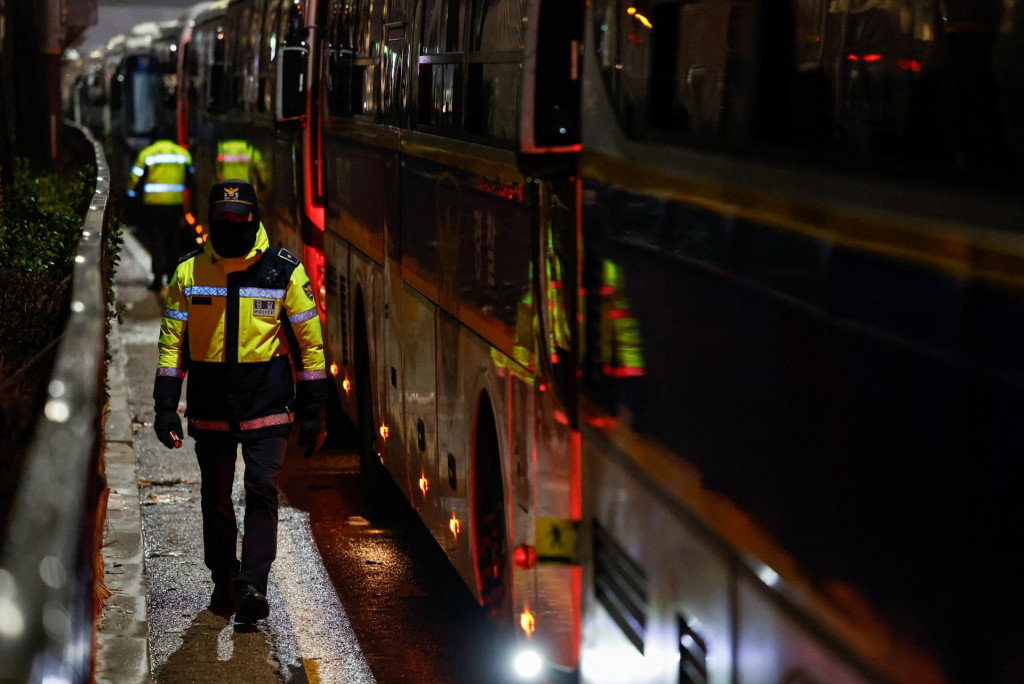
[365, 280]
[396, 456]
[652, 557]
[477, 266]
[454, 423]
[773, 647]
[420, 387]
[354, 199]
[521, 501]
[340, 308]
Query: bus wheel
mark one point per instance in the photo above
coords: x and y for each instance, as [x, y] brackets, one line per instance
[369, 461]
[489, 514]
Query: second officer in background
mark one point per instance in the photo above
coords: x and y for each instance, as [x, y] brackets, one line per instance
[239, 316]
[161, 173]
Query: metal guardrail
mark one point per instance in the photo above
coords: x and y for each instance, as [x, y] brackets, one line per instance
[46, 578]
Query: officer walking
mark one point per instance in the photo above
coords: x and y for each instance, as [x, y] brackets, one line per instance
[235, 312]
[238, 158]
[161, 172]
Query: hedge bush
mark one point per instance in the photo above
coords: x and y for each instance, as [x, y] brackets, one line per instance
[41, 215]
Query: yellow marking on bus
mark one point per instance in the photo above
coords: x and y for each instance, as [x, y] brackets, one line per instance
[556, 540]
[961, 251]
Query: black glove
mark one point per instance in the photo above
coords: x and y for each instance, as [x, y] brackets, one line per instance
[168, 429]
[311, 436]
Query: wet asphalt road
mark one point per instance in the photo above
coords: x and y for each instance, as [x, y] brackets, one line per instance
[360, 592]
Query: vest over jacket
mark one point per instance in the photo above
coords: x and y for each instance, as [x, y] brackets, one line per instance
[236, 327]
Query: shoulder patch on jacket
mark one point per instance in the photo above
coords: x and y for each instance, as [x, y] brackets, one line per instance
[193, 253]
[288, 256]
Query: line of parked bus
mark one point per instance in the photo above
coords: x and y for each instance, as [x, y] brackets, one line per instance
[691, 328]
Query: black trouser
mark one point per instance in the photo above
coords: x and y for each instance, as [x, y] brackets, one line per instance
[263, 456]
[166, 237]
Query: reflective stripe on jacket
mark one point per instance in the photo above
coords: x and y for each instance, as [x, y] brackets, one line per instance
[160, 173]
[232, 325]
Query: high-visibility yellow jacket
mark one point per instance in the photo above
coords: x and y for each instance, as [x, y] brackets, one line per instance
[231, 325]
[163, 169]
[239, 159]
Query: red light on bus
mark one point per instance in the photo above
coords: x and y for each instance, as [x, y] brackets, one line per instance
[527, 622]
[852, 58]
[909, 65]
[872, 58]
[189, 218]
[525, 557]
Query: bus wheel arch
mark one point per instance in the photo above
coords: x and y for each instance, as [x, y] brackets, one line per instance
[490, 532]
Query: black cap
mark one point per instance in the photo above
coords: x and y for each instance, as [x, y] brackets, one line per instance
[236, 196]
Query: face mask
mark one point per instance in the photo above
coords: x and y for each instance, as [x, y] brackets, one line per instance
[233, 238]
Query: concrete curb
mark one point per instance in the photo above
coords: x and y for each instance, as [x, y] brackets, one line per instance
[122, 637]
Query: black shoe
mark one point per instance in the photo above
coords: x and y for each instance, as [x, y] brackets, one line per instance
[223, 594]
[250, 604]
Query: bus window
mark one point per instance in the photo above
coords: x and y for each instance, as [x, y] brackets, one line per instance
[442, 66]
[268, 50]
[475, 91]
[242, 34]
[899, 87]
[351, 58]
[442, 26]
[495, 76]
[498, 25]
[675, 70]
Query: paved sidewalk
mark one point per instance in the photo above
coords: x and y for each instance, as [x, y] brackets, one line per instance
[157, 627]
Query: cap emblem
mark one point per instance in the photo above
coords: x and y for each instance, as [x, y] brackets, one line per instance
[231, 193]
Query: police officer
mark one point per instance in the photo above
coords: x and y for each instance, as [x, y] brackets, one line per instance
[158, 179]
[239, 159]
[230, 311]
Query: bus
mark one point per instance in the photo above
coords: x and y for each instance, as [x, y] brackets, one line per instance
[801, 372]
[422, 159]
[689, 328]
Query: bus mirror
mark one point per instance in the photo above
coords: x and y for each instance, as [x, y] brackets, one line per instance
[551, 93]
[290, 98]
